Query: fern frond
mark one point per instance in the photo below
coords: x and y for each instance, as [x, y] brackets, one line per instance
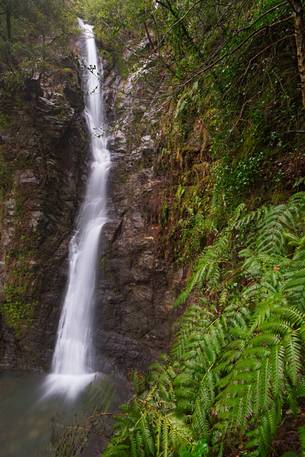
[261, 436]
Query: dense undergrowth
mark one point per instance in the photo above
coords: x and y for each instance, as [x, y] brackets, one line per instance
[232, 151]
[237, 132]
[235, 374]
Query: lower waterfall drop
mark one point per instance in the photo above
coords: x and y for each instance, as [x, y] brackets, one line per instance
[73, 360]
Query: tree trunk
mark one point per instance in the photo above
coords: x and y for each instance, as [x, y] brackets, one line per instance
[299, 31]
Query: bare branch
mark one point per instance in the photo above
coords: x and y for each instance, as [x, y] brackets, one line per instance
[227, 54]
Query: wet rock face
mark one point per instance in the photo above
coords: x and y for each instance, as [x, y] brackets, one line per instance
[46, 150]
[44, 154]
[136, 287]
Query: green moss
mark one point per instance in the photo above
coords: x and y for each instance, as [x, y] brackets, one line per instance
[16, 310]
[18, 303]
[68, 71]
[5, 121]
[18, 315]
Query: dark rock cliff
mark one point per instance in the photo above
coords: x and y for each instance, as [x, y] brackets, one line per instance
[137, 285]
[43, 158]
[44, 150]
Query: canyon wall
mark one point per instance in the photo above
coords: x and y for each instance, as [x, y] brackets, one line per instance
[44, 159]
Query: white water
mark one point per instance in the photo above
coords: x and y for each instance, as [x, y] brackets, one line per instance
[73, 359]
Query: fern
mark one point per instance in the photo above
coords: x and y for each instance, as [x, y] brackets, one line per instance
[208, 268]
[236, 364]
[260, 438]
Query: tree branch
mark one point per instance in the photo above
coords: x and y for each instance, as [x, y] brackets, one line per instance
[227, 54]
[179, 20]
[261, 52]
[262, 15]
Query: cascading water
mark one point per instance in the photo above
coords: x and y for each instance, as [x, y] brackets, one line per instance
[73, 365]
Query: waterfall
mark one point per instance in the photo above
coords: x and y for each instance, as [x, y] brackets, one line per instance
[73, 359]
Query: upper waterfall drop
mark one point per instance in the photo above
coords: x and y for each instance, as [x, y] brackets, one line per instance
[73, 359]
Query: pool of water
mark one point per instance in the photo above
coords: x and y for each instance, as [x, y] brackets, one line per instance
[29, 423]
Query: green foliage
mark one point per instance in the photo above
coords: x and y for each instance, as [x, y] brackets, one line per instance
[234, 179]
[238, 82]
[118, 16]
[19, 304]
[31, 34]
[17, 314]
[118, 21]
[199, 449]
[236, 366]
